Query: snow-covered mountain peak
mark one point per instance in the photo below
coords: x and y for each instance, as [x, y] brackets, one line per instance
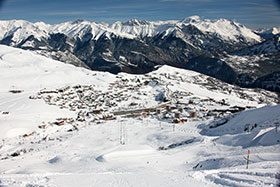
[275, 30]
[79, 28]
[43, 26]
[191, 19]
[268, 33]
[78, 21]
[21, 30]
[136, 22]
[18, 30]
[227, 29]
[135, 28]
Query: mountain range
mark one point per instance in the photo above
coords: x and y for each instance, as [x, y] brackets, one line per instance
[63, 125]
[221, 48]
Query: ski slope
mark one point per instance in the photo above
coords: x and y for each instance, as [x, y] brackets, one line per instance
[138, 151]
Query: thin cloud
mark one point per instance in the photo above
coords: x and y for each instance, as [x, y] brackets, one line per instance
[66, 13]
[122, 7]
[263, 11]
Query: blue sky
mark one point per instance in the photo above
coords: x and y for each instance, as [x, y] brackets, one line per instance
[252, 13]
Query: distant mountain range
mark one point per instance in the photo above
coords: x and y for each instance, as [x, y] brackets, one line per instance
[220, 48]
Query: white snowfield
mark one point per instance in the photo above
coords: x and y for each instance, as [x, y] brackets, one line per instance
[140, 151]
[20, 30]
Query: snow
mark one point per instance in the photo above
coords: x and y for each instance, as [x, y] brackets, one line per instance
[79, 29]
[229, 30]
[29, 44]
[268, 31]
[134, 28]
[262, 117]
[191, 19]
[21, 30]
[40, 72]
[139, 28]
[154, 151]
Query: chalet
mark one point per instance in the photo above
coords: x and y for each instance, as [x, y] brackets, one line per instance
[64, 89]
[158, 111]
[193, 114]
[16, 91]
[42, 126]
[59, 123]
[48, 91]
[30, 134]
[77, 87]
[168, 108]
[109, 117]
[145, 115]
[181, 109]
[177, 115]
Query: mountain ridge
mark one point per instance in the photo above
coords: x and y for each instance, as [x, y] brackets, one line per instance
[138, 27]
[138, 46]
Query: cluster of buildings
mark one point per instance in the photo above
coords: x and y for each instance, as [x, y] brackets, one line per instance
[129, 98]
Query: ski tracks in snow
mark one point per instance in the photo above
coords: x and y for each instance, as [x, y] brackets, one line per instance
[107, 179]
[242, 178]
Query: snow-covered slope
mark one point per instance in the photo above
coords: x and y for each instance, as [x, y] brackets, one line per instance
[25, 71]
[66, 126]
[228, 30]
[28, 71]
[19, 30]
[138, 28]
